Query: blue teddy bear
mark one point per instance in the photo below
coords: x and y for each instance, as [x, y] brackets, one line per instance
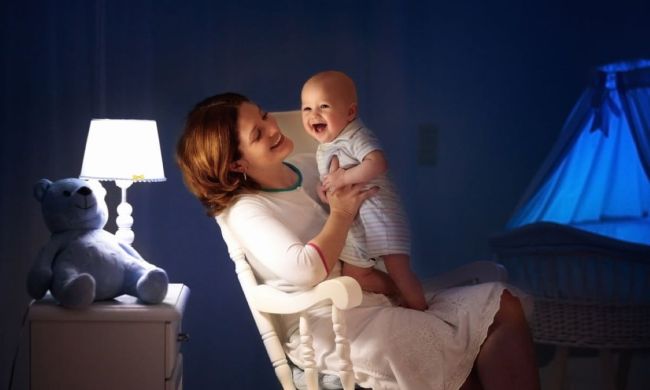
[82, 262]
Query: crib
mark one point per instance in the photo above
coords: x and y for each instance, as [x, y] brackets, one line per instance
[589, 291]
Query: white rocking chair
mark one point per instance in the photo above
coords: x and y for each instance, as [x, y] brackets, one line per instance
[267, 303]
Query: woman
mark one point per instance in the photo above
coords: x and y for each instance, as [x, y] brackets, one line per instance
[232, 155]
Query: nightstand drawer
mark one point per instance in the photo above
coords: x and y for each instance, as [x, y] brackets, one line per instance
[173, 344]
[114, 344]
[176, 381]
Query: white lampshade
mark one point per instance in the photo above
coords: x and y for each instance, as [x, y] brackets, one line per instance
[127, 151]
[122, 149]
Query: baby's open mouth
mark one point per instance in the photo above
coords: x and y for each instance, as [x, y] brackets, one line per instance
[319, 127]
[278, 141]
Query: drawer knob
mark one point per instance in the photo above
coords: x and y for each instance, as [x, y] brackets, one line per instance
[183, 337]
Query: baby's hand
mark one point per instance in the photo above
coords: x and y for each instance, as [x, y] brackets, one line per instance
[334, 180]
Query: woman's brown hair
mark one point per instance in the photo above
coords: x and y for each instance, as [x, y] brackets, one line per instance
[207, 147]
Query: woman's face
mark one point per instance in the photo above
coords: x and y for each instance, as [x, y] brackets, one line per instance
[261, 141]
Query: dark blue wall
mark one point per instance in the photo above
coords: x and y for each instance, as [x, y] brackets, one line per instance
[495, 80]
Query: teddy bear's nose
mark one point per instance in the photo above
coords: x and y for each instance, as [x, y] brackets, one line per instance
[85, 191]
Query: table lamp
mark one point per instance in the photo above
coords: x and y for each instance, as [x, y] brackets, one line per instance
[126, 151]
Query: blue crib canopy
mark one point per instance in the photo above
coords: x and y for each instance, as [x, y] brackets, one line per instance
[597, 175]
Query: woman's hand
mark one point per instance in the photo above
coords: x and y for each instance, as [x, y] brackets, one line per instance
[348, 198]
[322, 193]
[335, 179]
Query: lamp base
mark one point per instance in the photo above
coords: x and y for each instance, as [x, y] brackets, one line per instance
[124, 220]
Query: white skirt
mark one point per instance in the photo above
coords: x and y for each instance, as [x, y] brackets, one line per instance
[397, 348]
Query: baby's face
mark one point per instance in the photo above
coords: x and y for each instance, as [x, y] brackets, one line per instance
[324, 113]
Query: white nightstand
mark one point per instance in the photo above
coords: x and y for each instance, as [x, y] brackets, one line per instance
[117, 344]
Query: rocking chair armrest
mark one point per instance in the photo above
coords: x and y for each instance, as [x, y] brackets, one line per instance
[344, 293]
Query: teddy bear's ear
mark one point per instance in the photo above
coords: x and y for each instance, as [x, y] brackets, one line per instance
[40, 188]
